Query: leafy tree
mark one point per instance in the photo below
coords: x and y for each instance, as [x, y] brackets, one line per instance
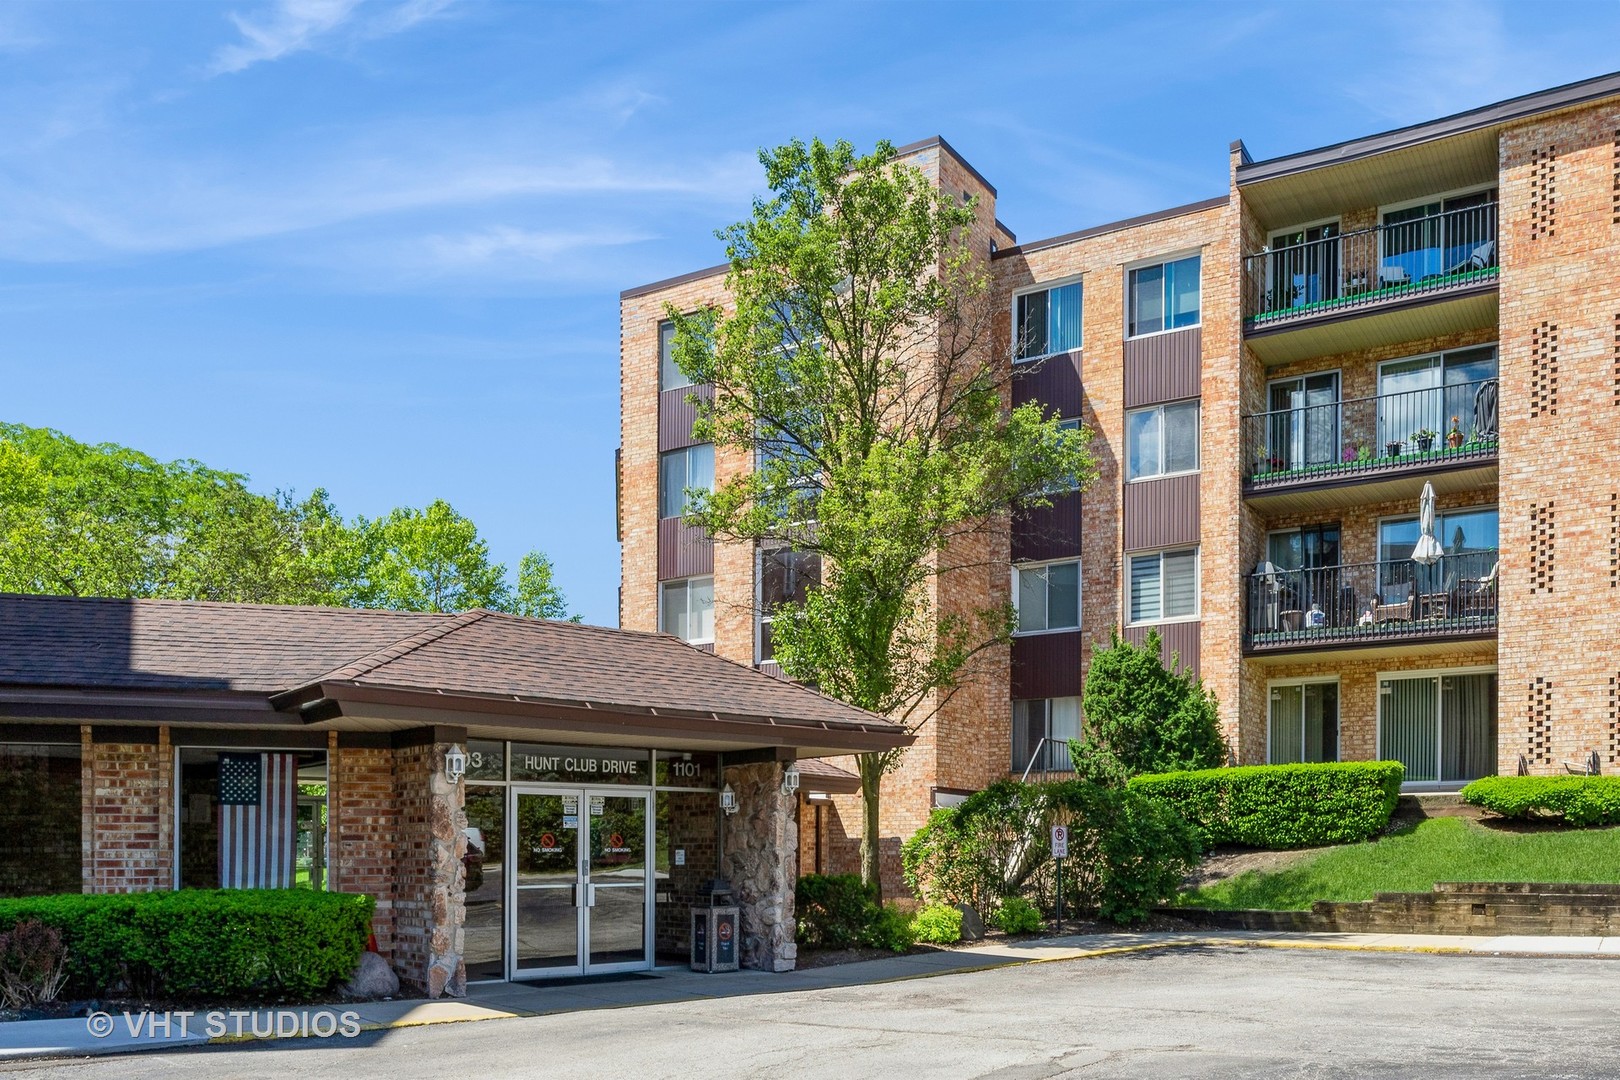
[860, 367]
[427, 560]
[106, 520]
[538, 596]
[1142, 716]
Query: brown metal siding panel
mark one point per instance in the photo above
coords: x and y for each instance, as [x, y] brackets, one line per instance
[1052, 532]
[1180, 638]
[1161, 513]
[1046, 665]
[1054, 382]
[676, 414]
[683, 550]
[1163, 367]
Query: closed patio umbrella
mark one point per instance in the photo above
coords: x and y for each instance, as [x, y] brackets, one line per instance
[1428, 550]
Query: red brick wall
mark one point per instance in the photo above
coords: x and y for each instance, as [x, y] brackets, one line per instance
[363, 829]
[129, 807]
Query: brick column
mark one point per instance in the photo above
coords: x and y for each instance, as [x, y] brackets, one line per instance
[362, 831]
[128, 805]
[761, 862]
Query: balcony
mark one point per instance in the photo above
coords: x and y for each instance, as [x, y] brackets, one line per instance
[1417, 278]
[1372, 605]
[1324, 455]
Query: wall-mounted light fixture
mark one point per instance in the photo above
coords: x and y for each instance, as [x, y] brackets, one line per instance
[455, 764]
[790, 779]
[728, 799]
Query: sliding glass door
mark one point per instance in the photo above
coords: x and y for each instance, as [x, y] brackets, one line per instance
[1304, 723]
[1304, 420]
[1442, 728]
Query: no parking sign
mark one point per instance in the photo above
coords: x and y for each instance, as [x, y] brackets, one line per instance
[1060, 841]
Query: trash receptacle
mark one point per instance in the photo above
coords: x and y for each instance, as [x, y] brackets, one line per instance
[715, 929]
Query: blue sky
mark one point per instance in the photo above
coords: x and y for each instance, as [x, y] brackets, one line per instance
[378, 247]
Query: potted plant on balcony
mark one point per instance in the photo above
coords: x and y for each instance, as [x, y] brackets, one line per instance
[1424, 437]
[1392, 448]
[1455, 437]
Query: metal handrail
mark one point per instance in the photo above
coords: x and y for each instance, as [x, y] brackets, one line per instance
[1362, 434]
[1363, 266]
[1041, 756]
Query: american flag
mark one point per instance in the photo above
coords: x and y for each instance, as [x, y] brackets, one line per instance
[258, 807]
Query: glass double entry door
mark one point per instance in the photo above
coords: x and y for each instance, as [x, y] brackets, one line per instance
[579, 901]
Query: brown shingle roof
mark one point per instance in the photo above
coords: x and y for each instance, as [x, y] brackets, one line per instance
[98, 644]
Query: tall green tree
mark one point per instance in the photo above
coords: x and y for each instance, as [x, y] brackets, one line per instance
[1145, 716]
[860, 368]
[106, 520]
[427, 560]
[537, 595]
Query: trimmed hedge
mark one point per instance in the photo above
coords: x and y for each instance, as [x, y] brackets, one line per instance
[1580, 800]
[840, 911]
[212, 946]
[1281, 806]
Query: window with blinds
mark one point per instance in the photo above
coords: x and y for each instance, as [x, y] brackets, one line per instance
[1164, 585]
[1047, 321]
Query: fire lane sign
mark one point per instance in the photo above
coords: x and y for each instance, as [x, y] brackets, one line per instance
[1060, 841]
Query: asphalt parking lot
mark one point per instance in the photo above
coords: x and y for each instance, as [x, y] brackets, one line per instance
[1193, 1012]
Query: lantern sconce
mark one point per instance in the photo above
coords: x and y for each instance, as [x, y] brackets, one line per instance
[790, 779]
[728, 800]
[455, 764]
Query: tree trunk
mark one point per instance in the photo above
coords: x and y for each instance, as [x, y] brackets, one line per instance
[871, 770]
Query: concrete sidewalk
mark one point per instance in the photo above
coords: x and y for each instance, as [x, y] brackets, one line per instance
[494, 1001]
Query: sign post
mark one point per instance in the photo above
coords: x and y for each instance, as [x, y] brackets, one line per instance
[1060, 851]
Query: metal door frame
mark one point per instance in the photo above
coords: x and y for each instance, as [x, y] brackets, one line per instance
[582, 927]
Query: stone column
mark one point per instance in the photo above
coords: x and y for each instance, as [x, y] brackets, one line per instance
[762, 863]
[430, 888]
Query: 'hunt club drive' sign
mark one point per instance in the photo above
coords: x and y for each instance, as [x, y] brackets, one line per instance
[580, 764]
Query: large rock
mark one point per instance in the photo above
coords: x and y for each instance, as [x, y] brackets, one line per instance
[972, 925]
[373, 979]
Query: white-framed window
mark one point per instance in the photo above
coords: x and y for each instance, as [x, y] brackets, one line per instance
[1057, 720]
[1047, 596]
[1069, 483]
[686, 609]
[1162, 296]
[689, 468]
[1302, 721]
[670, 375]
[1441, 723]
[1162, 440]
[1164, 585]
[783, 575]
[1047, 321]
[1428, 393]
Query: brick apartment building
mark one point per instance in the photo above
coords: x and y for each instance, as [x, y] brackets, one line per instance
[1272, 376]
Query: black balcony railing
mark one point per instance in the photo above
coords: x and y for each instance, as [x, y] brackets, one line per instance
[1374, 434]
[1040, 760]
[1378, 601]
[1368, 266]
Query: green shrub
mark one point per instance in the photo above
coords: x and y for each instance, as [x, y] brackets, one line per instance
[1281, 806]
[1144, 716]
[938, 924]
[1126, 854]
[1579, 800]
[834, 910]
[203, 945]
[888, 928]
[1017, 916]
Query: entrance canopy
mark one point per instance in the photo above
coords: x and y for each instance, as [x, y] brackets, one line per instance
[184, 663]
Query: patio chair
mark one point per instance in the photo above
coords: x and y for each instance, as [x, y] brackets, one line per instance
[1390, 275]
[1400, 611]
[1477, 596]
[1482, 256]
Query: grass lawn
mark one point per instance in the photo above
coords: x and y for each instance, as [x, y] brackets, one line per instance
[1413, 859]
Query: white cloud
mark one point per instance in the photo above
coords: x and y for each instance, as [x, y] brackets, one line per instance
[504, 243]
[293, 26]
